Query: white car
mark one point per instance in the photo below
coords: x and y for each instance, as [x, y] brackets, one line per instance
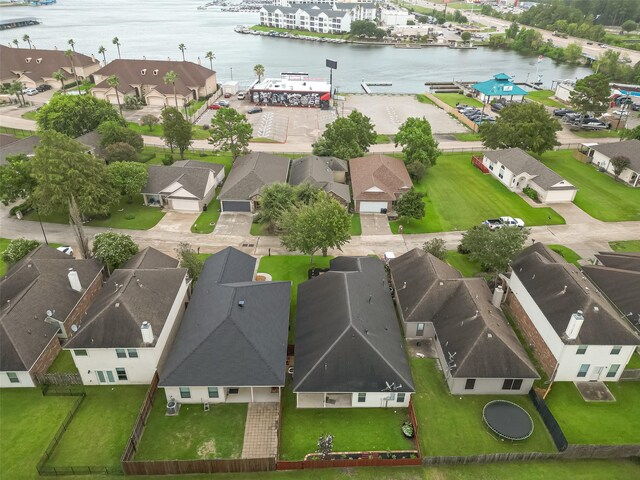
[66, 249]
[240, 95]
[30, 91]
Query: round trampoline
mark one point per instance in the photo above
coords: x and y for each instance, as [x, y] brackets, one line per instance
[508, 420]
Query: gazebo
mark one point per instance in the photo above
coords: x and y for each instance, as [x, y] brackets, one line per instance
[500, 86]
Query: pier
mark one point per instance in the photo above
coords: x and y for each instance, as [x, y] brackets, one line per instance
[18, 22]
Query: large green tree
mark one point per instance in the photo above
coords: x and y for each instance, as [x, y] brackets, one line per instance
[230, 132]
[410, 205]
[128, 177]
[418, 144]
[346, 137]
[631, 133]
[573, 52]
[15, 179]
[114, 132]
[18, 249]
[591, 95]
[177, 131]
[113, 249]
[366, 28]
[524, 125]
[120, 152]
[277, 199]
[190, 260]
[75, 115]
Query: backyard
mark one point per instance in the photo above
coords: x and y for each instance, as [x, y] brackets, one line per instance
[198, 155]
[199, 133]
[193, 433]
[459, 196]
[597, 422]
[63, 363]
[599, 194]
[461, 262]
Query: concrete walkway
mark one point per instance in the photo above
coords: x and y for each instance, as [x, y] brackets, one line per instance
[261, 431]
[374, 224]
[176, 222]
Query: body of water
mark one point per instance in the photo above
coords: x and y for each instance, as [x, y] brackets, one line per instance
[154, 29]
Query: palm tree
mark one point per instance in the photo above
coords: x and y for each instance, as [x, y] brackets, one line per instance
[102, 51]
[70, 54]
[14, 88]
[15, 42]
[170, 78]
[259, 71]
[116, 42]
[113, 81]
[59, 76]
[27, 39]
[210, 56]
[182, 48]
[72, 44]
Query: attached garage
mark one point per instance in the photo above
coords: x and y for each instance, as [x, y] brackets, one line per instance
[155, 100]
[372, 207]
[184, 204]
[236, 206]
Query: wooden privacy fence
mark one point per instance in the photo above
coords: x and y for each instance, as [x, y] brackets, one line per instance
[183, 467]
[453, 111]
[141, 421]
[414, 421]
[59, 379]
[477, 162]
[371, 460]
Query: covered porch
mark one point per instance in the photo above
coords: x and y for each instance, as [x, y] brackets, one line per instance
[324, 400]
[252, 394]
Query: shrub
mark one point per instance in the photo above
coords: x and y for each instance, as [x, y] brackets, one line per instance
[167, 159]
[18, 249]
[129, 216]
[435, 247]
[146, 156]
[407, 430]
[531, 193]
[24, 208]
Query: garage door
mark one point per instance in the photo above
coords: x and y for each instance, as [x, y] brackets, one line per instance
[230, 206]
[185, 205]
[155, 101]
[372, 207]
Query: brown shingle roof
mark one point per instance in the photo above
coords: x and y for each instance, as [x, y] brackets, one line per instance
[42, 63]
[389, 174]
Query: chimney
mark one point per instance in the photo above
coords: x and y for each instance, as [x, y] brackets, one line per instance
[497, 297]
[147, 333]
[573, 329]
[74, 280]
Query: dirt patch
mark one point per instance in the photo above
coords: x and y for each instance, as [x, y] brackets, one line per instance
[207, 449]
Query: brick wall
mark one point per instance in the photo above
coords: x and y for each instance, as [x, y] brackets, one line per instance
[46, 358]
[540, 348]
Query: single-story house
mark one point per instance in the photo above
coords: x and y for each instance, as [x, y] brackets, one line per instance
[42, 297]
[187, 185]
[151, 258]
[349, 348]
[24, 146]
[478, 351]
[500, 86]
[327, 173]
[577, 335]
[232, 344]
[601, 156]
[516, 169]
[124, 336]
[249, 174]
[144, 79]
[377, 181]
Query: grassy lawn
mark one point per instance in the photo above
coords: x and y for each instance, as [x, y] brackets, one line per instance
[424, 99]
[306, 33]
[596, 133]
[382, 139]
[16, 132]
[30, 115]
[294, 268]
[200, 156]
[4, 242]
[193, 108]
[354, 429]
[260, 230]
[569, 255]
[544, 97]
[98, 433]
[206, 222]
[194, 433]
[461, 262]
[199, 133]
[599, 194]
[459, 196]
[453, 425]
[634, 362]
[356, 228]
[597, 422]
[624, 246]
[467, 137]
[452, 98]
[63, 363]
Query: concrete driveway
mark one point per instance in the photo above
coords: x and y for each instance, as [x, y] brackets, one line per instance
[234, 224]
[374, 224]
[177, 222]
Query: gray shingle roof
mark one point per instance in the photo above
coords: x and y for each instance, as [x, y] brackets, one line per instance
[318, 171]
[23, 146]
[192, 175]
[250, 173]
[150, 258]
[623, 260]
[627, 148]
[352, 342]
[224, 343]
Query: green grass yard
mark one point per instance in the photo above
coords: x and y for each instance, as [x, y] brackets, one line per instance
[260, 28]
[634, 362]
[459, 196]
[199, 133]
[596, 133]
[206, 222]
[356, 227]
[200, 156]
[452, 98]
[468, 137]
[30, 115]
[623, 246]
[4, 242]
[599, 194]
[382, 139]
[194, 433]
[544, 97]
[461, 262]
[424, 99]
[63, 363]
[569, 255]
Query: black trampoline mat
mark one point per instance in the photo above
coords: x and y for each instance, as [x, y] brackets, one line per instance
[508, 420]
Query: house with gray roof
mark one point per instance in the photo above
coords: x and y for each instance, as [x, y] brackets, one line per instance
[24, 146]
[232, 344]
[43, 298]
[517, 170]
[477, 350]
[151, 258]
[349, 348]
[327, 173]
[577, 335]
[186, 185]
[601, 156]
[249, 175]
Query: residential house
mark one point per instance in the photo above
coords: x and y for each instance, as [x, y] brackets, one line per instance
[574, 331]
[327, 173]
[377, 181]
[232, 344]
[144, 79]
[24, 146]
[125, 335]
[500, 86]
[35, 66]
[42, 298]
[186, 185]
[478, 351]
[516, 169]
[249, 175]
[601, 156]
[349, 349]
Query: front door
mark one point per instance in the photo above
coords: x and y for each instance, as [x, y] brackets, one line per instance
[420, 330]
[105, 376]
[595, 374]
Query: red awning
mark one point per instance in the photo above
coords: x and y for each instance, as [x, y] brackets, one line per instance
[326, 96]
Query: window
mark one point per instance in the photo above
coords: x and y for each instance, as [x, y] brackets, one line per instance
[185, 392]
[501, 172]
[213, 392]
[362, 397]
[613, 370]
[582, 349]
[120, 353]
[512, 384]
[400, 398]
[132, 352]
[584, 368]
[80, 353]
[122, 373]
[420, 330]
[616, 350]
[13, 377]
[470, 384]
[234, 391]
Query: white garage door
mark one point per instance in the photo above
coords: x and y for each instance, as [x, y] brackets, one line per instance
[155, 101]
[185, 205]
[372, 207]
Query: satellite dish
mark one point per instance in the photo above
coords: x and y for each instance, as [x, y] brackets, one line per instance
[74, 328]
[49, 313]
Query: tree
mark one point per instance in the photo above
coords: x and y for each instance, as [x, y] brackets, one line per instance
[170, 79]
[116, 42]
[231, 132]
[15, 179]
[320, 225]
[465, 36]
[259, 71]
[418, 144]
[210, 56]
[619, 163]
[72, 44]
[494, 250]
[182, 48]
[114, 132]
[70, 54]
[75, 220]
[120, 152]
[177, 132]
[524, 125]
[26, 38]
[149, 121]
[436, 247]
[591, 95]
[190, 260]
[60, 77]
[16, 43]
[75, 115]
[573, 53]
[18, 249]
[14, 88]
[366, 28]
[113, 81]
[113, 249]
[630, 133]
[325, 445]
[275, 200]
[61, 169]
[365, 132]
[346, 137]
[410, 205]
[102, 51]
[416, 170]
[128, 177]
[629, 26]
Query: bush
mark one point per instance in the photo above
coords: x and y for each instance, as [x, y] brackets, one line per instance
[24, 208]
[129, 216]
[167, 159]
[407, 429]
[531, 193]
[436, 247]
[146, 156]
[206, 126]
[461, 249]
[18, 249]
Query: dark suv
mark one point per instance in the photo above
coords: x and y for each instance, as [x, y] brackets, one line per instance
[43, 88]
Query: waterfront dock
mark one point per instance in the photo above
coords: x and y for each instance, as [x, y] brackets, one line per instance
[9, 23]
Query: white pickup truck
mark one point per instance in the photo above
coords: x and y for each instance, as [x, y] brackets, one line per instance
[495, 223]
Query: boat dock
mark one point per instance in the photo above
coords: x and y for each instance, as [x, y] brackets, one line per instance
[9, 23]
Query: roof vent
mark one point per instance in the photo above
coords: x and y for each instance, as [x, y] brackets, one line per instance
[441, 283]
[596, 309]
[155, 72]
[38, 60]
[143, 71]
[117, 304]
[28, 59]
[489, 335]
[241, 303]
[564, 290]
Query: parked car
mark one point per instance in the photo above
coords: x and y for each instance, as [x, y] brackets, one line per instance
[602, 45]
[496, 223]
[255, 110]
[596, 125]
[66, 249]
[30, 91]
[214, 106]
[496, 107]
[241, 95]
[43, 88]
[561, 112]
[635, 107]
[223, 103]
[228, 95]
